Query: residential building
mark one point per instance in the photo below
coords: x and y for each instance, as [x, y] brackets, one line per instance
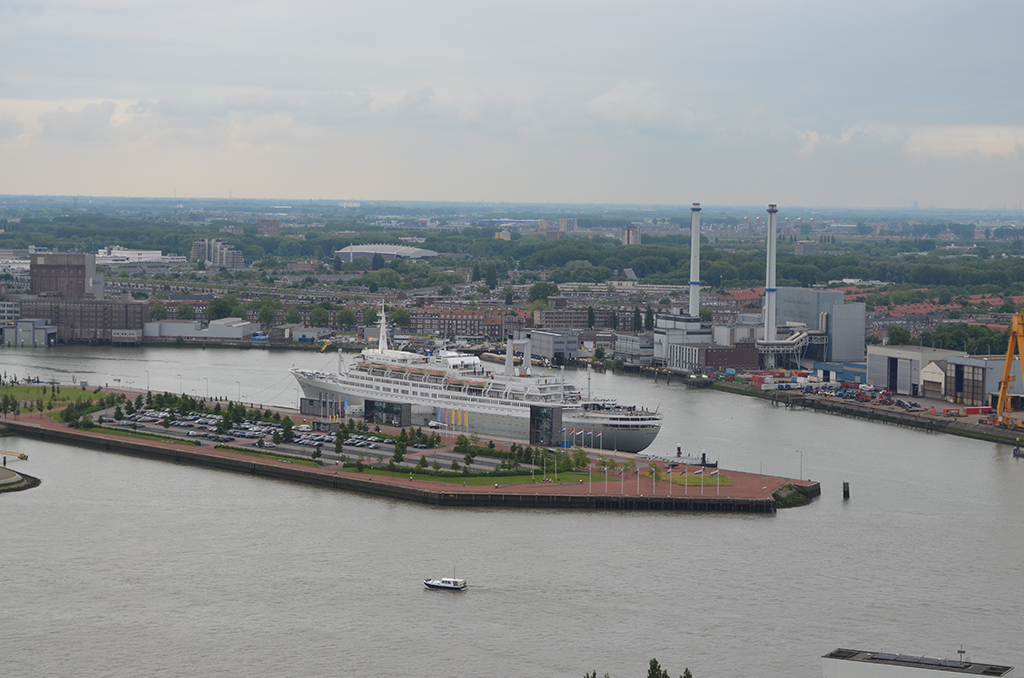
[268, 228]
[631, 235]
[217, 253]
[804, 247]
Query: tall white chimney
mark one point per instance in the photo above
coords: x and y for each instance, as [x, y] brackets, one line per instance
[695, 260]
[769, 286]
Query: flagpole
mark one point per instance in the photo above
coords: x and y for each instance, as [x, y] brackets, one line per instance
[686, 483]
[590, 474]
[702, 483]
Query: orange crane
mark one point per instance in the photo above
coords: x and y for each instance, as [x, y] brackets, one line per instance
[1015, 348]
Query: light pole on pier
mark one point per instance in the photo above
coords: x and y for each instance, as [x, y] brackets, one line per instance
[147, 379]
[239, 391]
[207, 387]
[181, 389]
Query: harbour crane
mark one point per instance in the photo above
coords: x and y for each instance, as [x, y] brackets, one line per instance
[1014, 348]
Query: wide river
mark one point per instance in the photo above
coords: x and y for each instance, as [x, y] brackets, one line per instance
[117, 566]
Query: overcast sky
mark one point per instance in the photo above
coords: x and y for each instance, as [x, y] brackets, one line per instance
[868, 104]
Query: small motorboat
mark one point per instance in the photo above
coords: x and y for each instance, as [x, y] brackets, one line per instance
[1017, 452]
[449, 583]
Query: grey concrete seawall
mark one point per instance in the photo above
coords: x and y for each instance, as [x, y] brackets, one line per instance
[391, 488]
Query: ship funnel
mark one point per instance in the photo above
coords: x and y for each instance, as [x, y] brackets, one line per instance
[695, 260]
[770, 314]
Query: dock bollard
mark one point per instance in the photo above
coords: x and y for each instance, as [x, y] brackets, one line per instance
[846, 489]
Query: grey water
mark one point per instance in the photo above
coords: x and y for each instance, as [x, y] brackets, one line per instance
[117, 566]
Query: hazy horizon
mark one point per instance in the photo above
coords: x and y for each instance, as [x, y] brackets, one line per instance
[873, 105]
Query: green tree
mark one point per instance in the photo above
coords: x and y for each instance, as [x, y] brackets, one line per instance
[445, 290]
[591, 317]
[706, 314]
[655, 670]
[508, 296]
[158, 312]
[222, 307]
[345, 317]
[401, 317]
[476, 273]
[293, 316]
[118, 414]
[542, 290]
[185, 312]
[377, 262]
[898, 336]
[492, 277]
[580, 459]
[599, 353]
[319, 317]
[370, 315]
[649, 319]
[638, 323]
[399, 455]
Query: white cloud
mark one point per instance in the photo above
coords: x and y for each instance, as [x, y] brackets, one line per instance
[966, 141]
[92, 123]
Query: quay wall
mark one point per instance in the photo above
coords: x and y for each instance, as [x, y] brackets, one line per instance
[394, 490]
[921, 420]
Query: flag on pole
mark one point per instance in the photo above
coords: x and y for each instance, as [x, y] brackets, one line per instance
[698, 472]
[669, 471]
[580, 432]
[563, 430]
[598, 435]
[590, 433]
[572, 433]
[715, 472]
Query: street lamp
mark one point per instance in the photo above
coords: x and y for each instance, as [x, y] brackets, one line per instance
[180, 387]
[147, 379]
[207, 387]
[239, 391]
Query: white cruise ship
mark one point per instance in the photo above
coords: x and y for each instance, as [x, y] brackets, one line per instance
[456, 392]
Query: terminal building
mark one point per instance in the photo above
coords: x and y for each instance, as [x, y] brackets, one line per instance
[387, 252]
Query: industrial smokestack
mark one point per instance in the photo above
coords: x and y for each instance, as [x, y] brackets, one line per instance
[695, 260]
[769, 287]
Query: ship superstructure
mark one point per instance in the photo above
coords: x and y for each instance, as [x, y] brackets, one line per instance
[455, 391]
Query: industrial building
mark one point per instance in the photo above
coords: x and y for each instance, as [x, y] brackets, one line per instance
[899, 368]
[224, 329]
[29, 332]
[70, 276]
[556, 347]
[969, 380]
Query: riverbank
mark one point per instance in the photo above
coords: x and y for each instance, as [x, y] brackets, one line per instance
[926, 419]
[12, 481]
[750, 493]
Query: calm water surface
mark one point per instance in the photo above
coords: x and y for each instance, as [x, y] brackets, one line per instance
[125, 567]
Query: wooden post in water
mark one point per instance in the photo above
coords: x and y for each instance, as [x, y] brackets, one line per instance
[846, 489]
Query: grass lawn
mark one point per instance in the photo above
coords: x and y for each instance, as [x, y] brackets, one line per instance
[691, 480]
[129, 433]
[249, 452]
[471, 480]
[42, 392]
